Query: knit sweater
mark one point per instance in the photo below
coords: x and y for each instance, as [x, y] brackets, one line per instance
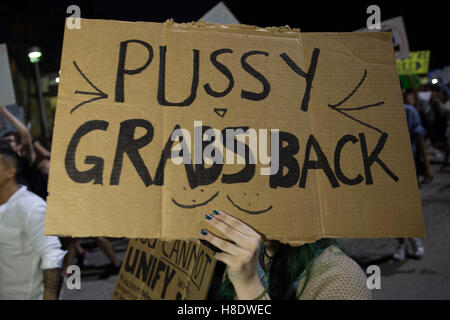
[335, 276]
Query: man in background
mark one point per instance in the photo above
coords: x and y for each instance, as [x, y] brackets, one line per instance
[416, 134]
[30, 262]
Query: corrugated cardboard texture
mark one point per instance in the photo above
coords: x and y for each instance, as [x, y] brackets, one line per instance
[354, 105]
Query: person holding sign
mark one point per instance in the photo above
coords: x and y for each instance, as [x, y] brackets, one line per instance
[260, 270]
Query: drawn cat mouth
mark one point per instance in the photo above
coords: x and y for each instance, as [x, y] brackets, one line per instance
[246, 210]
[191, 206]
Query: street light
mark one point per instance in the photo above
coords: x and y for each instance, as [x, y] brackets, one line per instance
[35, 54]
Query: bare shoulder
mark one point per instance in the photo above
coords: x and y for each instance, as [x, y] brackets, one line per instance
[335, 276]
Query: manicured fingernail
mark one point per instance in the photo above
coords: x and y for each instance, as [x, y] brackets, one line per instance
[208, 216]
[216, 212]
[204, 232]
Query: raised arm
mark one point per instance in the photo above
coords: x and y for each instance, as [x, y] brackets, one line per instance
[24, 134]
[44, 153]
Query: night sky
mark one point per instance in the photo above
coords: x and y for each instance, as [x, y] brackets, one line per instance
[27, 23]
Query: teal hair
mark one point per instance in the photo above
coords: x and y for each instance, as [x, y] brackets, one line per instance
[287, 265]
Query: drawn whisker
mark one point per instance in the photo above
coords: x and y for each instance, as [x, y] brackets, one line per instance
[351, 93]
[362, 107]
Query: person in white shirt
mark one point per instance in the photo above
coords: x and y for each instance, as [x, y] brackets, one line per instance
[30, 262]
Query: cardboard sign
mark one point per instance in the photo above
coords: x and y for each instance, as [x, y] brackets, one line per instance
[127, 89]
[418, 62]
[158, 270]
[399, 35]
[7, 95]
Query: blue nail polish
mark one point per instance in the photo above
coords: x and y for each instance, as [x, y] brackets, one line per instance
[208, 216]
[203, 232]
[216, 212]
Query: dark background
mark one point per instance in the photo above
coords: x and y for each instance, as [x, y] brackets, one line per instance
[25, 23]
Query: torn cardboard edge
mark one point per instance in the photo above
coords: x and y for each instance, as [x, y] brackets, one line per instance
[207, 26]
[281, 239]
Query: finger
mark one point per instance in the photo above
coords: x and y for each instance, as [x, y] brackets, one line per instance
[225, 246]
[235, 223]
[226, 258]
[236, 236]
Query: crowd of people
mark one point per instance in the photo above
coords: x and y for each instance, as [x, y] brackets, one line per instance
[428, 118]
[33, 266]
[434, 114]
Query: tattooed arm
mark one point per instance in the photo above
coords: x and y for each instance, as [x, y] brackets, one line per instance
[47, 247]
[51, 278]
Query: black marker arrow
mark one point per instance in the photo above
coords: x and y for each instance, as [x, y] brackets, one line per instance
[220, 111]
[99, 93]
[344, 111]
